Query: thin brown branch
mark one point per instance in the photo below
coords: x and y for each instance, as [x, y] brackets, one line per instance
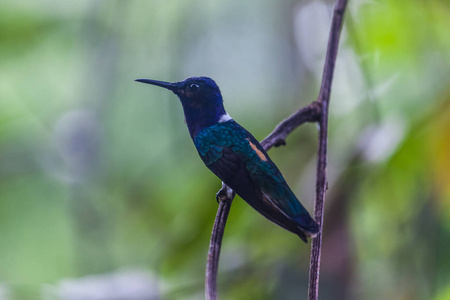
[321, 175]
[314, 112]
[225, 198]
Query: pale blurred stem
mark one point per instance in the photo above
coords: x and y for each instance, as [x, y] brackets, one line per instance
[317, 111]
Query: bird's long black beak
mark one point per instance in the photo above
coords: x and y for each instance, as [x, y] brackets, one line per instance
[168, 85]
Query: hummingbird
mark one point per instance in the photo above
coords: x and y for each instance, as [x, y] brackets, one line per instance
[236, 157]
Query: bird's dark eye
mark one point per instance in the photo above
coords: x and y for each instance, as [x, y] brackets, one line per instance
[193, 87]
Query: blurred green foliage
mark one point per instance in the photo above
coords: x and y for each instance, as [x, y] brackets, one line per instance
[98, 173]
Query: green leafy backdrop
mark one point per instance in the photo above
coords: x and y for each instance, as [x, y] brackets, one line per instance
[98, 174]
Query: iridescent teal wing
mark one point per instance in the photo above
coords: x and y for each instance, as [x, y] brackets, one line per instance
[238, 159]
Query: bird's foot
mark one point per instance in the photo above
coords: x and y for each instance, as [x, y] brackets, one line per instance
[225, 193]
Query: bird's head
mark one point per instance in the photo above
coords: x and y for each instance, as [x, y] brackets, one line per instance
[201, 99]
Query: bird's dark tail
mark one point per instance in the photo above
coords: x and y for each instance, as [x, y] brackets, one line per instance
[308, 227]
[302, 225]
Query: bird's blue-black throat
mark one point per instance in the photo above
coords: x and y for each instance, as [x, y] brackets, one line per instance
[236, 157]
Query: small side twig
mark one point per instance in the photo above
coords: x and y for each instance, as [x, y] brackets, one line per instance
[310, 113]
[317, 111]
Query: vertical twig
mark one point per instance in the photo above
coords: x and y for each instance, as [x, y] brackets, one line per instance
[321, 179]
[212, 264]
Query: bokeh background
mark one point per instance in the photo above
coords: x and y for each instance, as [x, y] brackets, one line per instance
[103, 196]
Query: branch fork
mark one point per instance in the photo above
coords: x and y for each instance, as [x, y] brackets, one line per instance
[316, 111]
